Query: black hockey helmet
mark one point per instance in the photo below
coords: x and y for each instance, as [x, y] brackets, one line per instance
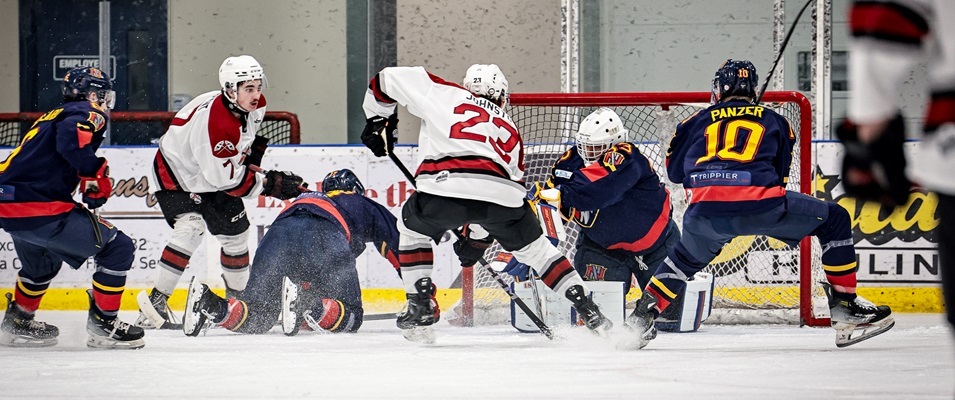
[735, 78]
[342, 179]
[80, 82]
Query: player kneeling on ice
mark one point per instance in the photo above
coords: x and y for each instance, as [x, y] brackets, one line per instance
[49, 228]
[207, 162]
[733, 159]
[313, 242]
[471, 172]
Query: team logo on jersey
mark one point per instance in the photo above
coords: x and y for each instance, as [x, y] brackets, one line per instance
[595, 272]
[613, 158]
[97, 120]
[224, 149]
[563, 173]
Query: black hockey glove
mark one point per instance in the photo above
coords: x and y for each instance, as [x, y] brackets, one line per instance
[469, 249]
[380, 134]
[259, 144]
[283, 185]
[875, 171]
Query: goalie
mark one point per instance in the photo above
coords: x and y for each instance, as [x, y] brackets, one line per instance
[313, 242]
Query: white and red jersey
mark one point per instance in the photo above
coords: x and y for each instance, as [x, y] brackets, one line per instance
[204, 148]
[468, 147]
[889, 38]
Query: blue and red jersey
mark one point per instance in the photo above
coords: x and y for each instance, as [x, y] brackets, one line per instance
[732, 158]
[38, 178]
[618, 201]
[361, 219]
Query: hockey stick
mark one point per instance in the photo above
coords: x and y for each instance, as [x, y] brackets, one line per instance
[256, 168]
[782, 49]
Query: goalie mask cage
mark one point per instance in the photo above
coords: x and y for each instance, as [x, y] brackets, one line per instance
[757, 279]
[141, 127]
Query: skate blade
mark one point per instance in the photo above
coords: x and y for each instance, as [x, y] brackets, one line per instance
[290, 320]
[11, 340]
[149, 318]
[635, 338]
[99, 342]
[420, 334]
[192, 320]
[850, 336]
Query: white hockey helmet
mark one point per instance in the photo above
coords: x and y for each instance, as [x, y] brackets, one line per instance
[598, 132]
[487, 80]
[235, 70]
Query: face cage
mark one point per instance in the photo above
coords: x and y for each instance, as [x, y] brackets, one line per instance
[107, 98]
[591, 152]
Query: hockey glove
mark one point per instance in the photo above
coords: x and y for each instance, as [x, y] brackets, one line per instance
[380, 134]
[97, 188]
[283, 185]
[471, 245]
[875, 171]
[517, 269]
[259, 144]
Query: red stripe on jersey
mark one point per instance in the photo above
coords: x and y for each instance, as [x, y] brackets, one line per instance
[239, 261]
[653, 234]
[375, 86]
[594, 172]
[324, 205]
[734, 193]
[887, 21]
[34, 209]
[440, 81]
[224, 130]
[180, 121]
[166, 179]
[245, 186]
[941, 110]
[472, 164]
[83, 136]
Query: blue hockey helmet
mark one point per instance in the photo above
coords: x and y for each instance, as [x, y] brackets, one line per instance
[734, 78]
[80, 82]
[342, 179]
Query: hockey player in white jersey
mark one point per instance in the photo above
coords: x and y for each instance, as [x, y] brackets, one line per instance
[889, 37]
[203, 169]
[471, 172]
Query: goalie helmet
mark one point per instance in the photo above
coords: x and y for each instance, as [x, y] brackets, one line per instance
[235, 70]
[80, 82]
[344, 180]
[598, 132]
[734, 78]
[487, 81]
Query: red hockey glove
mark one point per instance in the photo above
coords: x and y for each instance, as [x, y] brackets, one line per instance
[875, 171]
[97, 188]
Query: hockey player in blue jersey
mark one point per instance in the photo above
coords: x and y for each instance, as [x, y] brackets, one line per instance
[733, 159]
[606, 186]
[313, 242]
[49, 228]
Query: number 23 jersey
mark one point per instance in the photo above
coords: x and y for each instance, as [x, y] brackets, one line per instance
[468, 147]
[732, 157]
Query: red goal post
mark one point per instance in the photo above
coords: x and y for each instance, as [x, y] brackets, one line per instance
[280, 127]
[753, 273]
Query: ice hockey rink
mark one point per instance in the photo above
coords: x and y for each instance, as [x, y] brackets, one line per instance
[912, 361]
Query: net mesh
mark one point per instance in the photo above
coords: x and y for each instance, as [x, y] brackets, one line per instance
[757, 278]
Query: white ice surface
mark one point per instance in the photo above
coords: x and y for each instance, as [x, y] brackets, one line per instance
[912, 361]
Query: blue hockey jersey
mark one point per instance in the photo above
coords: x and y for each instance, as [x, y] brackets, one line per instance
[362, 219]
[732, 158]
[618, 201]
[38, 178]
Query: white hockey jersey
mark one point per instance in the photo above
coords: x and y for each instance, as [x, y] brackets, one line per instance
[889, 38]
[468, 147]
[204, 148]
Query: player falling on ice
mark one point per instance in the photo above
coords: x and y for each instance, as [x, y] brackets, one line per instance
[733, 159]
[471, 172]
[206, 164]
[49, 228]
[314, 242]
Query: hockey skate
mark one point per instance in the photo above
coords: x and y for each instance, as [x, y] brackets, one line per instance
[640, 323]
[296, 308]
[857, 320]
[588, 311]
[420, 312]
[154, 312]
[19, 329]
[203, 307]
[111, 333]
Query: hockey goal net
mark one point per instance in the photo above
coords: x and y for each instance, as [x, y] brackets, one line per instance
[757, 279]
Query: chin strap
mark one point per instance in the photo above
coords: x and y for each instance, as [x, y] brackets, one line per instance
[234, 107]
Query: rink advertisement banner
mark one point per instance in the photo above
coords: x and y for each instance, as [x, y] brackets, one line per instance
[136, 213]
[894, 247]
